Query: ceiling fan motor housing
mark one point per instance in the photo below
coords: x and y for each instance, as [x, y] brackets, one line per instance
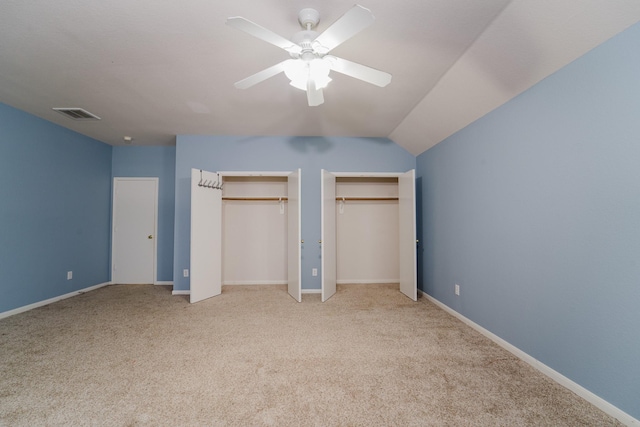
[305, 39]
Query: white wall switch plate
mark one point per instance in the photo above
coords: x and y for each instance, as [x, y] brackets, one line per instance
[69, 275]
[314, 271]
[185, 272]
[457, 289]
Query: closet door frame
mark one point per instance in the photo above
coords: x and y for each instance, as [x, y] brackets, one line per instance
[409, 291]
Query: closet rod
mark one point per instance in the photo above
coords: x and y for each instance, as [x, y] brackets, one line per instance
[364, 199]
[262, 199]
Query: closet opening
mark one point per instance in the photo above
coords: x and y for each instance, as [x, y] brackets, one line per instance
[254, 230]
[367, 233]
[368, 230]
[245, 230]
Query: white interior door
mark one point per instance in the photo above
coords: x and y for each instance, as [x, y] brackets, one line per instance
[206, 237]
[294, 235]
[407, 234]
[135, 207]
[328, 234]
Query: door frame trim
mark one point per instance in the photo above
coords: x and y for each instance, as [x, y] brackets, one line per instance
[156, 180]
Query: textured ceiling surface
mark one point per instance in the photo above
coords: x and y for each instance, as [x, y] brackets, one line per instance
[155, 69]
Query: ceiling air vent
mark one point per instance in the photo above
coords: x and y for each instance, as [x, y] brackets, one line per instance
[77, 114]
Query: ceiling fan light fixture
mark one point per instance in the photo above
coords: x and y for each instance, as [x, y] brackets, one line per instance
[300, 72]
[299, 84]
[322, 81]
[296, 71]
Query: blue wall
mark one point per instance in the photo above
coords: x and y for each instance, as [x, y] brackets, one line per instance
[131, 161]
[311, 154]
[535, 211]
[55, 206]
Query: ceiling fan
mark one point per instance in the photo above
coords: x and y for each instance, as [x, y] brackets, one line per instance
[309, 64]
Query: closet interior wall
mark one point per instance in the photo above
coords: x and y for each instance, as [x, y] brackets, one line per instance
[367, 232]
[254, 230]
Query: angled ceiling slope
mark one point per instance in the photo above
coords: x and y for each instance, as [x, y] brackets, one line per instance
[527, 42]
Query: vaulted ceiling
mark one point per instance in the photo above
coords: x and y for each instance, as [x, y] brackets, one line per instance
[155, 69]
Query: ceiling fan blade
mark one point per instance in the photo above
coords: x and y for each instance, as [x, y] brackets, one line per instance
[361, 72]
[261, 75]
[262, 33]
[314, 95]
[355, 20]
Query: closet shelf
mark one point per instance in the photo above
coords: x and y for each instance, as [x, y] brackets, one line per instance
[259, 199]
[365, 199]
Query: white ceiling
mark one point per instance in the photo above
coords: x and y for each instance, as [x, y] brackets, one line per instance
[153, 69]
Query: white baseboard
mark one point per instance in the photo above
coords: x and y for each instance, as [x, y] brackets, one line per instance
[50, 300]
[253, 282]
[179, 292]
[164, 283]
[367, 282]
[590, 397]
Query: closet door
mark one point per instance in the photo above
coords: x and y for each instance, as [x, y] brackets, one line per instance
[407, 234]
[206, 237]
[294, 237]
[328, 234]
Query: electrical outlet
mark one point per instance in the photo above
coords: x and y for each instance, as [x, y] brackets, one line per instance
[69, 275]
[457, 289]
[314, 271]
[185, 272]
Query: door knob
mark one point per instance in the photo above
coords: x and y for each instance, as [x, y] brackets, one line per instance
[149, 236]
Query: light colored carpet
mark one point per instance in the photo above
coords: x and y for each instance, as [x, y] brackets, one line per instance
[130, 355]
